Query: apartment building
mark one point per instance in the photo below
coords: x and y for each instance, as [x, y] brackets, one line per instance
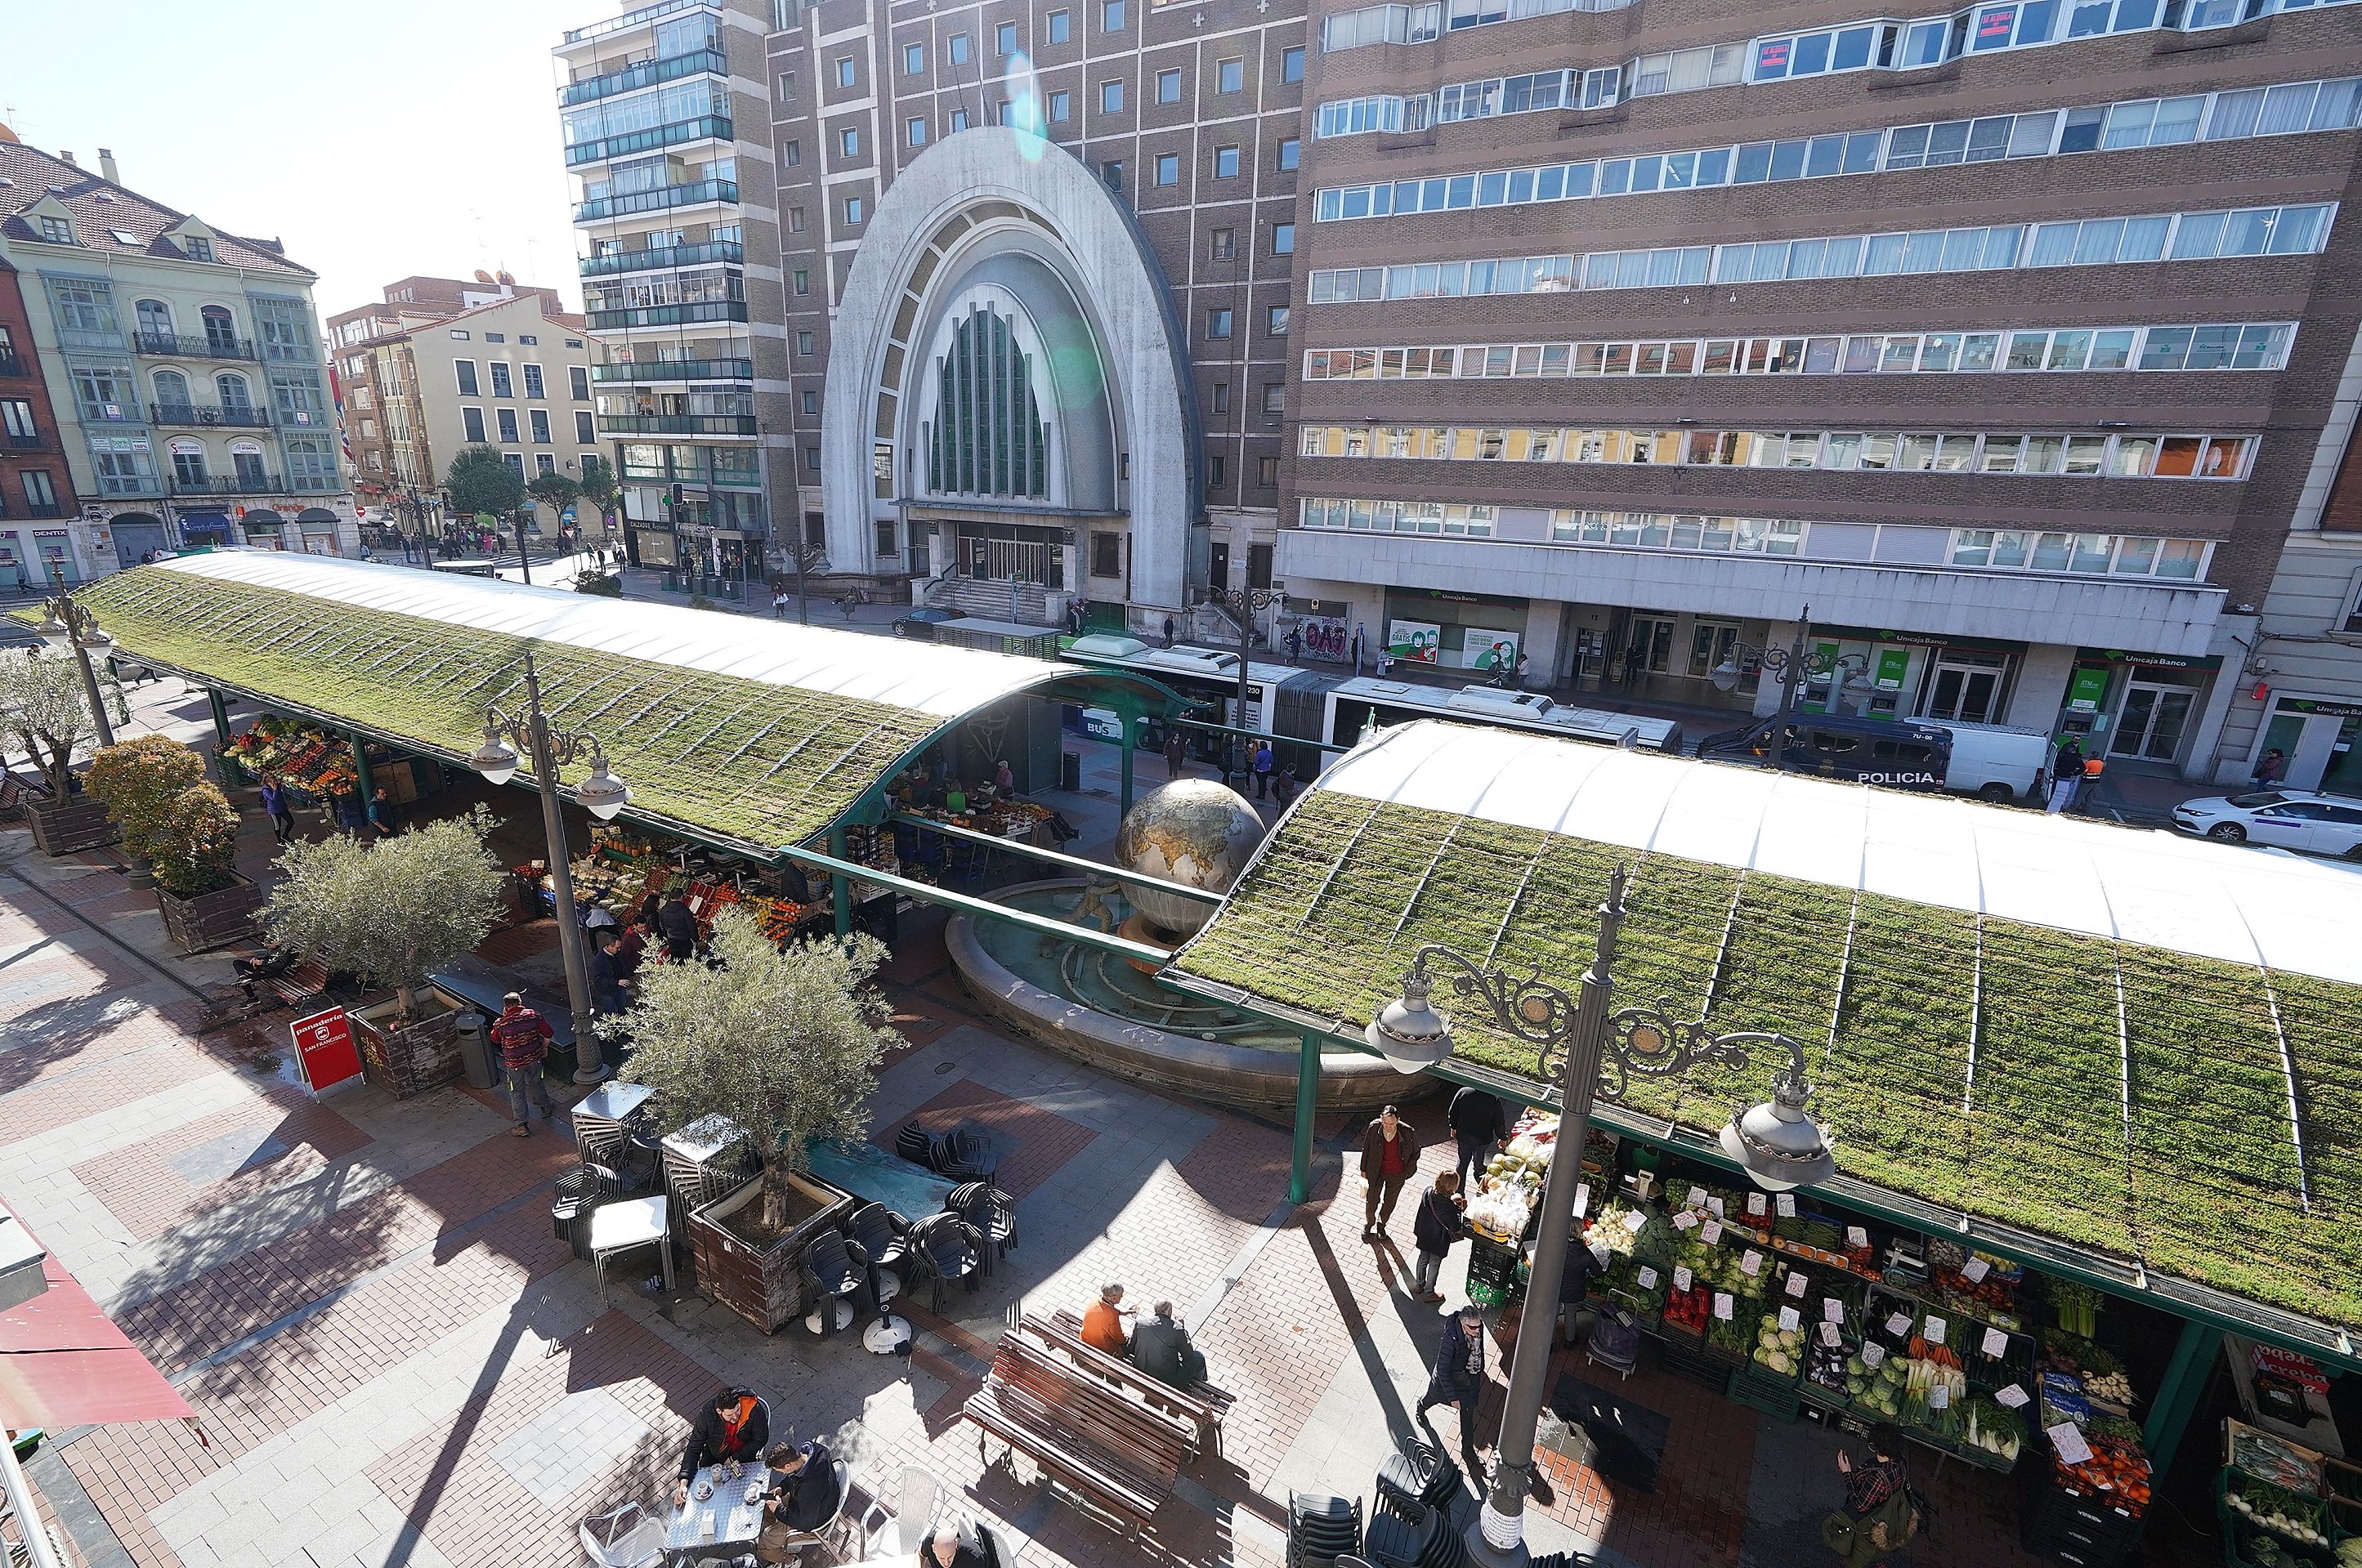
[439, 364]
[184, 364]
[665, 116]
[2008, 340]
[38, 547]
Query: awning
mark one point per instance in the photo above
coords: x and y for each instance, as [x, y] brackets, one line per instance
[64, 1364]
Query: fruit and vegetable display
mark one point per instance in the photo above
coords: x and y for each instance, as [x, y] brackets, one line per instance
[1995, 1428]
[1734, 1335]
[2291, 1514]
[1506, 1191]
[2077, 1306]
[2117, 1468]
[1777, 1350]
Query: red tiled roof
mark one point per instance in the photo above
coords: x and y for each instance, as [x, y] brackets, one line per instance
[100, 207]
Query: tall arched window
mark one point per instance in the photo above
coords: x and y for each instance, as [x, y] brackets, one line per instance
[171, 392]
[988, 438]
[155, 319]
[233, 391]
[221, 329]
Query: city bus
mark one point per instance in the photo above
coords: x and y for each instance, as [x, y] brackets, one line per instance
[1280, 701]
[1352, 706]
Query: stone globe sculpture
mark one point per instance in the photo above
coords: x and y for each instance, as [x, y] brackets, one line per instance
[1195, 831]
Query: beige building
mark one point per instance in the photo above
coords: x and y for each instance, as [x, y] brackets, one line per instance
[440, 364]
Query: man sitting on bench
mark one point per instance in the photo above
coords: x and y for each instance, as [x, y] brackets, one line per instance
[1103, 1324]
[1161, 1348]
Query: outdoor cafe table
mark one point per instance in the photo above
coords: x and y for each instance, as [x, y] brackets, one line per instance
[869, 1172]
[723, 1525]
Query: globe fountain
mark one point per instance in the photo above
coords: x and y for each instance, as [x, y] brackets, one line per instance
[1109, 1010]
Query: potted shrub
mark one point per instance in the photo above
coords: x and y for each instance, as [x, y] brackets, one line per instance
[785, 1043]
[186, 830]
[42, 700]
[138, 780]
[389, 913]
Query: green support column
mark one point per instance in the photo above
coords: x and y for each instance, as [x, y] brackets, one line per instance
[1307, 1092]
[230, 771]
[2177, 1394]
[361, 769]
[1131, 745]
[840, 890]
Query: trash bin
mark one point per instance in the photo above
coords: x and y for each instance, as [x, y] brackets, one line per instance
[1070, 772]
[475, 1049]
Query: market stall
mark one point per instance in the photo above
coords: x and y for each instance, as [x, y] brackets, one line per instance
[622, 867]
[322, 769]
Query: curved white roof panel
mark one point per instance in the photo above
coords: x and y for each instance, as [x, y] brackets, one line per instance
[2242, 905]
[927, 678]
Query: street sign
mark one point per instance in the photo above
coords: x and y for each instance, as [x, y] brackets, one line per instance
[566, 515]
[323, 1048]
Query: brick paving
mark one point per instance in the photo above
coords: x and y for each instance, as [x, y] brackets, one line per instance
[151, 1187]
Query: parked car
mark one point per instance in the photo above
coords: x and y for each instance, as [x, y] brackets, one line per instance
[1995, 762]
[1907, 753]
[2288, 819]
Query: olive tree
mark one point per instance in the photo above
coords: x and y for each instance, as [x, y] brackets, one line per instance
[42, 700]
[784, 1042]
[391, 911]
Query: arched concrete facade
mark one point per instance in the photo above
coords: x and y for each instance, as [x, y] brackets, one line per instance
[996, 218]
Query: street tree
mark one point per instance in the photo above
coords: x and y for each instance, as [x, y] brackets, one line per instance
[597, 483]
[42, 702]
[783, 1042]
[479, 481]
[553, 490]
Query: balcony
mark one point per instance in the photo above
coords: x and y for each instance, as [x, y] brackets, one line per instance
[177, 346]
[181, 414]
[676, 371]
[111, 414]
[130, 484]
[668, 316]
[646, 73]
[705, 127]
[232, 484]
[665, 256]
[640, 18]
[657, 200]
[676, 425]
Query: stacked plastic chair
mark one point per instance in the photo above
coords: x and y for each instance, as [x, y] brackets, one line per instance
[990, 1212]
[1321, 1529]
[1416, 1536]
[1418, 1475]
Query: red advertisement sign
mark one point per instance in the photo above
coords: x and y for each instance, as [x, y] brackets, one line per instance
[324, 1045]
[1771, 57]
[1994, 26]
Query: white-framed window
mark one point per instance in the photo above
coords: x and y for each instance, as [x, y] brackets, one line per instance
[465, 370]
[1229, 76]
[847, 73]
[1054, 27]
[959, 49]
[848, 141]
[914, 58]
[1168, 168]
[914, 131]
[1168, 86]
[1111, 97]
[1004, 39]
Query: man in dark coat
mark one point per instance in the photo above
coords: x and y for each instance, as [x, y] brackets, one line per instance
[1389, 1156]
[679, 926]
[1161, 1348]
[1459, 1376]
[1477, 1127]
[732, 1431]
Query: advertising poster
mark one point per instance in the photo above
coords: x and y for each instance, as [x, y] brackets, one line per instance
[1419, 642]
[1489, 650]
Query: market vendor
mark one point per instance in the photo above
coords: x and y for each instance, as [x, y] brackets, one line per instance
[1574, 1285]
[731, 1431]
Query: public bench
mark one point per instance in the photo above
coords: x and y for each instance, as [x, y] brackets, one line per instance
[1117, 1456]
[1202, 1406]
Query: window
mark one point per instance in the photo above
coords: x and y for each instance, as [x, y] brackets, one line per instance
[846, 75]
[17, 417]
[1288, 147]
[810, 405]
[1168, 86]
[1004, 39]
[1168, 168]
[811, 460]
[1266, 471]
[1283, 240]
[496, 337]
[1111, 171]
[527, 337]
[506, 418]
[544, 463]
[1226, 162]
[57, 230]
[848, 142]
[795, 220]
[1221, 397]
[806, 344]
[958, 121]
[461, 332]
[1217, 471]
[40, 492]
[1106, 554]
[1217, 323]
[1058, 102]
[1229, 76]
[1055, 26]
[577, 381]
[537, 420]
[1111, 97]
[501, 384]
[852, 209]
[189, 470]
[914, 131]
[914, 58]
[787, 87]
[1275, 321]
[199, 247]
[515, 460]
[803, 281]
[1291, 64]
[1275, 396]
[532, 380]
[960, 49]
[471, 424]
[1223, 245]
[467, 371]
[584, 431]
[1111, 15]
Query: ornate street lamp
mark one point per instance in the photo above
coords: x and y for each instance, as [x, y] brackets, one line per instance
[65, 624]
[1240, 605]
[1574, 1041]
[602, 794]
[1793, 669]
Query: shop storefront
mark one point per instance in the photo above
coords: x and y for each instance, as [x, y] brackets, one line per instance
[1455, 631]
[2143, 707]
[2320, 737]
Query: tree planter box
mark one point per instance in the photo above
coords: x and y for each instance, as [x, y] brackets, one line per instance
[411, 1060]
[211, 919]
[60, 827]
[762, 1282]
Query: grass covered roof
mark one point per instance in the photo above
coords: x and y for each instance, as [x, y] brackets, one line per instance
[2197, 1114]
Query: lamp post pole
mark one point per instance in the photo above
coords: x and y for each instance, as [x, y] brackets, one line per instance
[76, 625]
[1241, 605]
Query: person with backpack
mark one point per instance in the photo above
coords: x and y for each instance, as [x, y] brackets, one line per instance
[1881, 1512]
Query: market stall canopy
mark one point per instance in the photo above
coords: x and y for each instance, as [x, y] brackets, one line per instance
[2144, 1046]
[64, 1364]
[746, 732]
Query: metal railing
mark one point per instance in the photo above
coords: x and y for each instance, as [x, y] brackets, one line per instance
[676, 371]
[37, 510]
[232, 484]
[657, 200]
[638, 17]
[668, 314]
[654, 258]
[676, 425]
[200, 413]
[186, 345]
[705, 127]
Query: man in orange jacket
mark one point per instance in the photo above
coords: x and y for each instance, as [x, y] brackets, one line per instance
[1103, 1323]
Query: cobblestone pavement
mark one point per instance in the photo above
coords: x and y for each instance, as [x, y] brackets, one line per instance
[396, 1365]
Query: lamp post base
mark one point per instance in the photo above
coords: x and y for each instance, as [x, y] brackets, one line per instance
[598, 1075]
[1482, 1551]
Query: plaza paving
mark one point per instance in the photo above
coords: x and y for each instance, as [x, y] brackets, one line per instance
[395, 1363]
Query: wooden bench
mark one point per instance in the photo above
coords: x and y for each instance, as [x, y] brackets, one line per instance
[1117, 1455]
[1202, 1406]
[307, 982]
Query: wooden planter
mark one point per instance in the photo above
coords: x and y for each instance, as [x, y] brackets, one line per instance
[763, 1284]
[211, 919]
[60, 827]
[411, 1060]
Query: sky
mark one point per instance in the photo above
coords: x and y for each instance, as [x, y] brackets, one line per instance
[376, 139]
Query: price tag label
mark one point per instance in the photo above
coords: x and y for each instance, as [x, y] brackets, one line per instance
[1832, 1309]
[1682, 1277]
[1934, 1333]
[1829, 1335]
[1751, 1262]
[1787, 1205]
[1939, 1397]
[1975, 1270]
[1873, 1355]
[1856, 1236]
[1797, 1285]
[1755, 1203]
[1723, 1304]
[1697, 1197]
[1899, 1324]
[1716, 1205]
[1634, 1221]
[1789, 1320]
[1995, 1342]
[2069, 1441]
[1711, 1232]
[1648, 1277]
[1583, 1200]
[1685, 1220]
[2011, 1398]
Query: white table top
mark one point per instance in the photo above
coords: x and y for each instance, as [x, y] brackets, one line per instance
[631, 1222]
[725, 1517]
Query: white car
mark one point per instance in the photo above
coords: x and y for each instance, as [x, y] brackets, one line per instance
[2286, 819]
